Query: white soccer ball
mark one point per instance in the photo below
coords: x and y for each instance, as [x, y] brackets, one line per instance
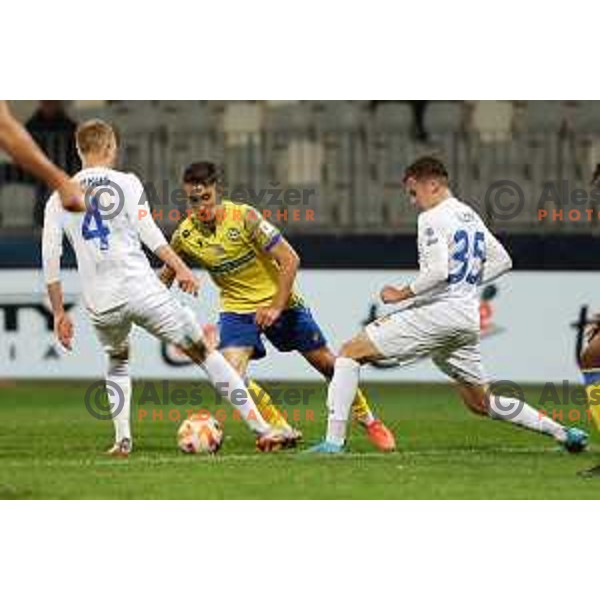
[200, 434]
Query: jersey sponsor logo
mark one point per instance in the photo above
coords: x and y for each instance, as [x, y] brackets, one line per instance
[466, 217]
[232, 265]
[233, 234]
[218, 250]
[430, 237]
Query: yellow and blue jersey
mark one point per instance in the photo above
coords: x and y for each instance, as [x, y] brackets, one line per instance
[233, 253]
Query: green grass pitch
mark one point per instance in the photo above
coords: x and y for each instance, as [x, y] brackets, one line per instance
[50, 447]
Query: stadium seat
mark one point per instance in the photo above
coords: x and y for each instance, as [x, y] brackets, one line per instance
[242, 161]
[492, 120]
[189, 115]
[241, 118]
[335, 116]
[185, 147]
[544, 116]
[304, 158]
[295, 116]
[82, 110]
[586, 117]
[396, 117]
[443, 117]
[16, 205]
[134, 116]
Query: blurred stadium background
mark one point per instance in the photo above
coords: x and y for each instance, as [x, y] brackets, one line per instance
[350, 153]
[347, 158]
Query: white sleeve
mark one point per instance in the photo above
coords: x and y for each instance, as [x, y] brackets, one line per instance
[152, 237]
[433, 256]
[497, 259]
[52, 240]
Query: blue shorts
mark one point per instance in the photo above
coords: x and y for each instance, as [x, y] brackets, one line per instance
[294, 330]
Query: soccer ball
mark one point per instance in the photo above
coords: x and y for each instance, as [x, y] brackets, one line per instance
[200, 434]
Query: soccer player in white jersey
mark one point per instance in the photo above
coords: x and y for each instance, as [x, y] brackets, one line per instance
[119, 287]
[439, 316]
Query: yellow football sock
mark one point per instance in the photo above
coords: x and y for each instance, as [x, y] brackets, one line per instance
[266, 407]
[360, 408]
[592, 390]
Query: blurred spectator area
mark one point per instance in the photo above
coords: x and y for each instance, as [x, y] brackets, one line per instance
[345, 159]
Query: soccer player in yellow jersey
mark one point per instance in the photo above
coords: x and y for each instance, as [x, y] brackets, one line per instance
[589, 361]
[255, 268]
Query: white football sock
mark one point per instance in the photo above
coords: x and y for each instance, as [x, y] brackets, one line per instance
[367, 418]
[520, 413]
[230, 385]
[340, 395]
[118, 390]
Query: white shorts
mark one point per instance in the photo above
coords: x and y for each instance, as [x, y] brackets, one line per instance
[159, 313]
[438, 330]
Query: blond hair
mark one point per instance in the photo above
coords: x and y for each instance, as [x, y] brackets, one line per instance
[94, 136]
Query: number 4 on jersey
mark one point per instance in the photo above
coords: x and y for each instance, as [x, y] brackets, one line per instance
[99, 230]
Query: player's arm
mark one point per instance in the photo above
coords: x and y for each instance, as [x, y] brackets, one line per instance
[187, 281]
[268, 240]
[52, 237]
[497, 259]
[15, 140]
[152, 237]
[433, 264]
[167, 274]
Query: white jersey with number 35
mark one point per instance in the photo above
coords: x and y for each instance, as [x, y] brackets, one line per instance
[457, 253]
[106, 239]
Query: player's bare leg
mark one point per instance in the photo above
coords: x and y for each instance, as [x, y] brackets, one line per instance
[343, 388]
[481, 400]
[323, 360]
[229, 384]
[589, 363]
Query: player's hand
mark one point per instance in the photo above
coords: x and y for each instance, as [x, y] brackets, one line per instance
[592, 328]
[187, 281]
[63, 328]
[390, 295]
[72, 196]
[211, 336]
[266, 316]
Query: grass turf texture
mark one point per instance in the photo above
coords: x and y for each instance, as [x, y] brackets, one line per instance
[50, 447]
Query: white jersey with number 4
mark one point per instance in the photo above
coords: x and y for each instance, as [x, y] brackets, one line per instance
[457, 253]
[106, 239]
